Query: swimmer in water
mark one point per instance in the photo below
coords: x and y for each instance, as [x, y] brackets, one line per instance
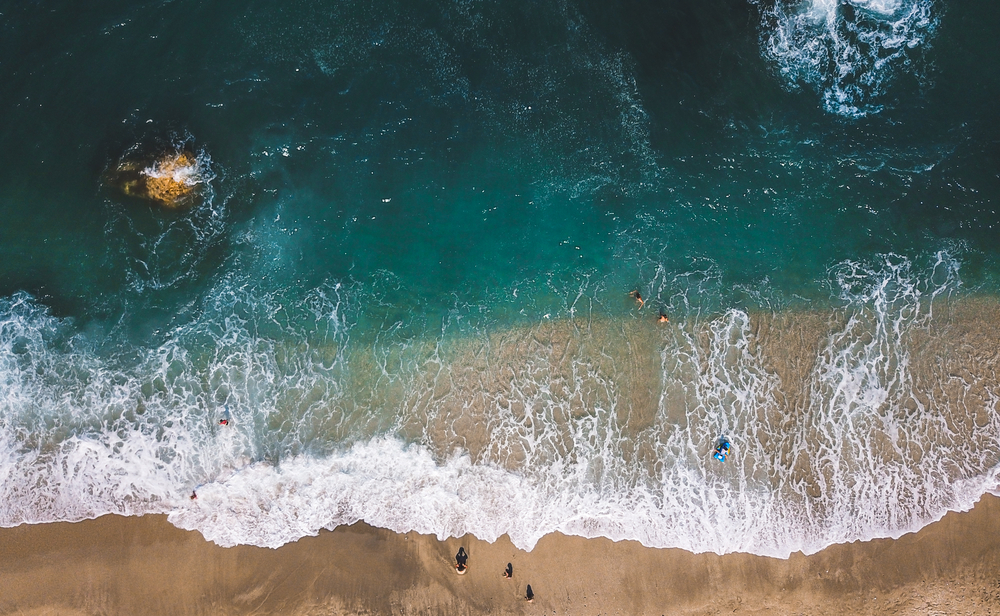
[662, 318]
[638, 298]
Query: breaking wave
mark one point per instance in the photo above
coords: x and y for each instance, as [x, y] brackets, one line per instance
[850, 51]
[870, 419]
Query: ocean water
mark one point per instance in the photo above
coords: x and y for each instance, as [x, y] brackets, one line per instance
[405, 279]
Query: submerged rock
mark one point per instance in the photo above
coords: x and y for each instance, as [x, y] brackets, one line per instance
[174, 180]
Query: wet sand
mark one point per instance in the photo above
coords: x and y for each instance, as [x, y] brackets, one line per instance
[117, 565]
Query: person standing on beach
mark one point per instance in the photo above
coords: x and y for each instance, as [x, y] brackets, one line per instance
[530, 596]
[461, 560]
[509, 571]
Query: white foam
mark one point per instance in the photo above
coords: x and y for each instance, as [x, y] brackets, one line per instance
[849, 51]
[864, 457]
[197, 173]
[82, 435]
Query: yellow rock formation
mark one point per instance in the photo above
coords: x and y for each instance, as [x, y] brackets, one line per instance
[172, 180]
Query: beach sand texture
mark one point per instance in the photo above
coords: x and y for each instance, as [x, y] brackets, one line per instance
[143, 565]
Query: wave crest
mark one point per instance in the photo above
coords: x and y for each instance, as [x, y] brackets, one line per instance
[849, 51]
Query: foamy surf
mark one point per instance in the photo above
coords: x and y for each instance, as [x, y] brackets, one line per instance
[391, 485]
[849, 51]
[869, 419]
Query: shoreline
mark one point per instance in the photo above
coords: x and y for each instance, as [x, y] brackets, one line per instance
[128, 565]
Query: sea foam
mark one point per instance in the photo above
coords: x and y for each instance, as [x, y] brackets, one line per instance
[864, 421]
[850, 51]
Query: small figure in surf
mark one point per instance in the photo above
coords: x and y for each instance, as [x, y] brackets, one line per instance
[194, 495]
[530, 596]
[223, 422]
[638, 298]
[461, 560]
[509, 571]
[662, 318]
[721, 449]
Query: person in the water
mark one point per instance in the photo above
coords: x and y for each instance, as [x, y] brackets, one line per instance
[662, 318]
[721, 450]
[638, 298]
[461, 560]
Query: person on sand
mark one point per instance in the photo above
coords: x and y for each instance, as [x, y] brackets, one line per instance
[461, 560]
[638, 298]
[530, 596]
[509, 571]
[662, 318]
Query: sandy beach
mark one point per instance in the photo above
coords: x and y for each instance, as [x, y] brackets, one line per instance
[118, 565]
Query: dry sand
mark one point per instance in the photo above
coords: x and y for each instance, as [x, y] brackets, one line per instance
[116, 565]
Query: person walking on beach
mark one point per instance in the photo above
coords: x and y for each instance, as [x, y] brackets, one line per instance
[509, 571]
[461, 560]
[530, 596]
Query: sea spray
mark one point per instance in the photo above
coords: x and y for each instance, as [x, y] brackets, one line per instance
[851, 51]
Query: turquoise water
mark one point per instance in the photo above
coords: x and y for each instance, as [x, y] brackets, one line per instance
[407, 278]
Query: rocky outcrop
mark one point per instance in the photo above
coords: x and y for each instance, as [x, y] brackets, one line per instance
[174, 180]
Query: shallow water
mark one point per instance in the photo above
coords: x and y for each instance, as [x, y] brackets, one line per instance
[406, 282]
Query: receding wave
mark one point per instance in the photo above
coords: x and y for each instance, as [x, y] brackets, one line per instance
[850, 51]
[871, 417]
